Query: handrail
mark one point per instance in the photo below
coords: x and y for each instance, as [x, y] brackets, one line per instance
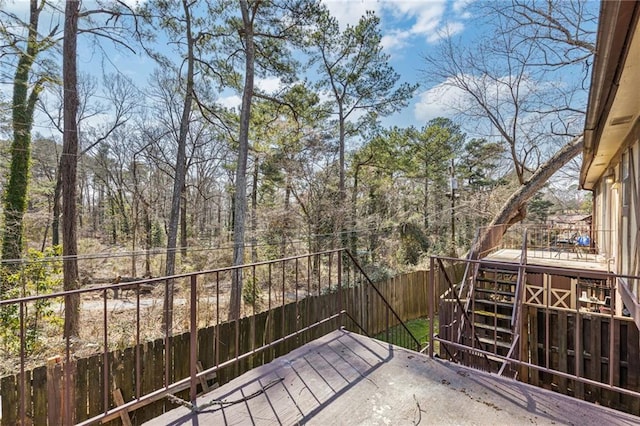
[459, 303]
[384, 300]
[517, 301]
[520, 279]
[515, 358]
[558, 373]
[156, 280]
[471, 255]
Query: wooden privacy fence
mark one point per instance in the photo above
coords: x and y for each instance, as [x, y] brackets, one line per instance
[551, 344]
[83, 380]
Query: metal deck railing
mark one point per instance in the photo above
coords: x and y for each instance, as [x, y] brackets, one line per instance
[290, 301]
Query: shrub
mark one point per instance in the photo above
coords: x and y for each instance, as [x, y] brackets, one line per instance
[40, 274]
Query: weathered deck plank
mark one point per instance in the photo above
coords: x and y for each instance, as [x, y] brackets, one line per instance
[344, 378]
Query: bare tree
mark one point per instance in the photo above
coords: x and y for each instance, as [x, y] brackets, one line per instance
[118, 94]
[514, 82]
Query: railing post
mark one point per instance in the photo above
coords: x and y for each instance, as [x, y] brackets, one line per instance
[430, 302]
[340, 287]
[193, 342]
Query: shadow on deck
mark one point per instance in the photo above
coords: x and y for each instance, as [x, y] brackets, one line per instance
[346, 378]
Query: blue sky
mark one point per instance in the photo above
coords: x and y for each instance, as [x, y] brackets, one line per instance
[410, 29]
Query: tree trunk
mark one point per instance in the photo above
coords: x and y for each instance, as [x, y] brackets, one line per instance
[515, 208]
[240, 195]
[68, 166]
[254, 213]
[287, 206]
[426, 204]
[342, 194]
[183, 222]
[179, 177]
[353, 234]
[23, 105]
[114, 222]
[55, 221]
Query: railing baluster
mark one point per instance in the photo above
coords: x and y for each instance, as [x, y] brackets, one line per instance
[22, 381]
[296, 294]
[339, 289]
[105, 356]
[216, 341]
[138, 361]
[282, 325]
[193, 339]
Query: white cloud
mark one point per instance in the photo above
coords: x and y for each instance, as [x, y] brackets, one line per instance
[428, 21]
[428, 18]
[403, 21]
[395, 40]
[439, 101]
[232, 101]
[269, 84]
[348, 12]
[461, 7]
[449, 29]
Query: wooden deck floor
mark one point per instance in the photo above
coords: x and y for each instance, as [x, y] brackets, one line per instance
[347, 379]
[556, 259]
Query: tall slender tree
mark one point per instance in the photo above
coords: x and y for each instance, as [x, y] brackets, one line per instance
[28, 83]
[178, 19]
[181, 158]
[69, 166]
[356, 75]
[267, 30]
[69, 158]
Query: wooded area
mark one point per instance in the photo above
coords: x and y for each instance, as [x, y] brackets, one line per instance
[304, 162]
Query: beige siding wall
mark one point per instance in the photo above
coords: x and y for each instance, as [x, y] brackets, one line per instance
[617, 213]
[631, 211]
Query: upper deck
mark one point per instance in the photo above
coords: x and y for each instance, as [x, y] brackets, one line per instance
[567, 258]
[345, 378]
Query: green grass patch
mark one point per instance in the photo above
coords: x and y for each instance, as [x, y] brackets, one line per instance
[419, 327]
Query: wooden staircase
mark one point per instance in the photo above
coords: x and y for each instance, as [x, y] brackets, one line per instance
[492, 308]
[489, 320]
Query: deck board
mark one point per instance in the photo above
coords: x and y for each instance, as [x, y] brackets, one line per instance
[344, 378]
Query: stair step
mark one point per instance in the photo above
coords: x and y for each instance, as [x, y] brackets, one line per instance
[492, 314]
[491, 327]
[492, 291]
[494, 303]
[497, 281]
[495, 359]
[499, 343]
[498, 270]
